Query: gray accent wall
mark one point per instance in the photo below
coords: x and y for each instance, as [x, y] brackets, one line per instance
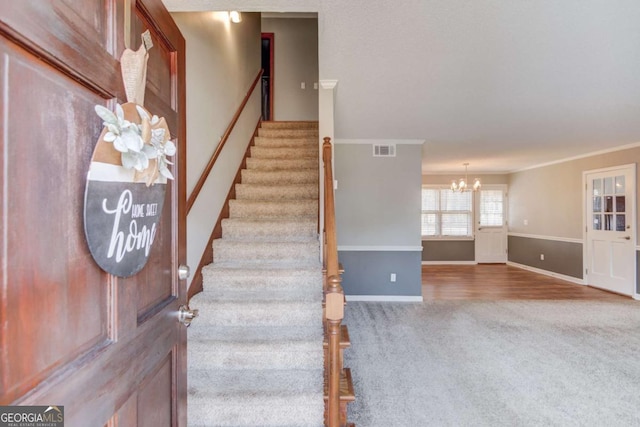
[378, 205]
[448, 250]
[378, 199]
[369, 273]
[559, 257]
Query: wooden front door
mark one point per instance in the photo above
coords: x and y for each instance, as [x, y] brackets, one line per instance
[110, 350]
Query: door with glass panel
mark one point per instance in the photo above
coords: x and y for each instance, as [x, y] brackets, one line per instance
[491, 225]
[610, 229]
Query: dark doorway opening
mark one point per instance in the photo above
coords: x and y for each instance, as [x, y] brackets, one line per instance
[267, 76]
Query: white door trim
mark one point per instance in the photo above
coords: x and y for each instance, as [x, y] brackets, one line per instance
[585, 209]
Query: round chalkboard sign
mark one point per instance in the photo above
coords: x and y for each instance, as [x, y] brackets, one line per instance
[125, 188]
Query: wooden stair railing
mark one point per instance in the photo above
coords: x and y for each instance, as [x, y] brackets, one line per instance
[334, 304]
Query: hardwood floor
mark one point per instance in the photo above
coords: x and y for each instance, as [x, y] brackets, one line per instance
[499, 282]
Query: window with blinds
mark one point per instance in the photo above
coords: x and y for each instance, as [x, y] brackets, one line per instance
[446, 213]
[491, 208]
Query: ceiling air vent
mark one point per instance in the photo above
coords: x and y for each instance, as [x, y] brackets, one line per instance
[387, 150]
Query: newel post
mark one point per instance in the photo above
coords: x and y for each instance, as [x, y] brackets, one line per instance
[335, 314]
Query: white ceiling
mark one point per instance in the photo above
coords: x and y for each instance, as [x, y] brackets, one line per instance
[501, 84]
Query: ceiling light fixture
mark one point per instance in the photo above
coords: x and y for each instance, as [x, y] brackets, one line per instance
[235, 16]
[463, 183]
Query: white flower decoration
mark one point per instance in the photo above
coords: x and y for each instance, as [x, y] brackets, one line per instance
[129, 139]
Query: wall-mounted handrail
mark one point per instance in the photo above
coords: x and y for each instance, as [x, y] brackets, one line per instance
[207, 170]
[334, 295]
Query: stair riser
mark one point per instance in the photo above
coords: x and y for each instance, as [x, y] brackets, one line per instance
[273, 193]
[243, 413]
[224, 287]
[268, 231]
[239, 314]
[289, 356]
[282, 164]
[299, 384]
[284, 153]
[288, 133]
[291, 295]
[289, 125]
[261, 141]
[251, 209]
[265, 251]
[279, 177]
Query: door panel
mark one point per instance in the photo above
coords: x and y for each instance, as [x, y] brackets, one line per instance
[157, 388]
[600, 257]
[109, 350]
[620, 267]
[37, 176]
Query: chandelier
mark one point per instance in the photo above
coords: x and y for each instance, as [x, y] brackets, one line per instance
[463, 183]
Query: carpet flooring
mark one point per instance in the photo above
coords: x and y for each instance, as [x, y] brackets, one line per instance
[255, 353]
[495, 363]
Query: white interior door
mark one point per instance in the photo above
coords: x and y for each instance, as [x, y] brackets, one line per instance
[491, 224]
[610, 229]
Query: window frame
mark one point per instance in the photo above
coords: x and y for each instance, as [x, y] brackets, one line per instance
[471, 213]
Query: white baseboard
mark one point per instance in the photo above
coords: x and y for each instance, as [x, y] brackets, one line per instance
[449, 263]
[548, 273]
[388, 298]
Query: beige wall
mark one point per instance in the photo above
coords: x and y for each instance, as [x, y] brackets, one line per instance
[550, 198]
[296, 61]
[223, 60]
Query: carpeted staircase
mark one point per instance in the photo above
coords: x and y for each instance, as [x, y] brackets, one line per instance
[255, 354]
